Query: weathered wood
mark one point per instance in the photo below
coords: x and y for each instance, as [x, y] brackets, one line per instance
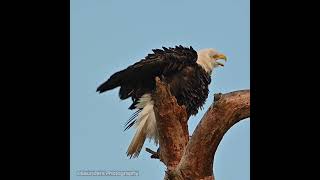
[194, 159]
[172, 126]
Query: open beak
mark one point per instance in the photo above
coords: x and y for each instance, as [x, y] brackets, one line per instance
[219, 57]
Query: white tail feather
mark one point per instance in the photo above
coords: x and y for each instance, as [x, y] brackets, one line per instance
[145, 125]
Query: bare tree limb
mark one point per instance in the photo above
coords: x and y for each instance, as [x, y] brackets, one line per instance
[154, 155]
[194, 159]
[171, 125]
[197, 161]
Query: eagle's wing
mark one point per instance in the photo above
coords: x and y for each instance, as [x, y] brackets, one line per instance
[139, 77]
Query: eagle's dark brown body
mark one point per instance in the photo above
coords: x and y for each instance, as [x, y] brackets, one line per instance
[178, 67]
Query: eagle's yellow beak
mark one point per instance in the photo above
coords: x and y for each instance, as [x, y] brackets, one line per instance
[220, 56]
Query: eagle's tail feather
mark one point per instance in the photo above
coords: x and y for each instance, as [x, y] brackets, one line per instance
[145, 125]
[139, 137]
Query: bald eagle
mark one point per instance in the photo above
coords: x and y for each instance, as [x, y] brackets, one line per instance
[186, 71]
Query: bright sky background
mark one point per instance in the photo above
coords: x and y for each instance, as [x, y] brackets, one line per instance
[109, 35]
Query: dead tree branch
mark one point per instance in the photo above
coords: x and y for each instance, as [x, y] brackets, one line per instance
[194, 159]
[197, 160]
[171, 125]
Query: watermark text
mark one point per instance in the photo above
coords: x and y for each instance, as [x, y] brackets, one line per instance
[106, 173]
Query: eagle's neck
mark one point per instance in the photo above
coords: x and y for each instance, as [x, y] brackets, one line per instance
[205, 63]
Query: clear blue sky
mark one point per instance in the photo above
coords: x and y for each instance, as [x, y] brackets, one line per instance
[109, 35]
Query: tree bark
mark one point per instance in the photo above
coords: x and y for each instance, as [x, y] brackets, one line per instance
[197, 160]
[172, 126]
[194, 159]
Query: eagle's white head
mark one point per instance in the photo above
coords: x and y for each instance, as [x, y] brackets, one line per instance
[208, 59]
